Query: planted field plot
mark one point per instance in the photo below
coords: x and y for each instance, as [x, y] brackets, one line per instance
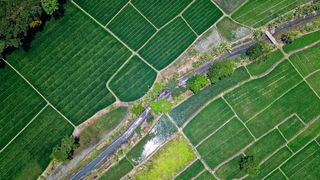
[137, 29]
[302, 42]
[232, 31]
[119, 170]
[28, 155]
[231, 169]
[192, 171]
[189, 107]
[254, 96]
[20, 103]
[103, 11]
[212, 117]
[307, 61]
[168, 44]
[206, 175]
[314, 82]
[277, 174]
[229, 6]
[71, 71]
[133, 80]
[291, 127]
[160, 12]
[263, 64]
[257, 13]
[201, 15]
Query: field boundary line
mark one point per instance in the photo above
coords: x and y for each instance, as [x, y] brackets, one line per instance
[112, 34]
[245, 67]
[157, 29]
[115, 14]
[215, 131]
[313, 73]
[35, 89]
[184, 168]
[283, 173]
[195, 177]
[255, 139]
[295, 52]
[25, 127]
[189, 26]
[214, 3]
[235, 10]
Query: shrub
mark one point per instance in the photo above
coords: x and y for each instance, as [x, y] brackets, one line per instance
[249, 165]
[197, 82]
[221, 70]
[161, 106]
[259, 49]
[137, 109]
[65, 150]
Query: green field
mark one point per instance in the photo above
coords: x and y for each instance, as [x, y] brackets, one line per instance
[160, 12]
[231, 169]
[118, 170]
[20, 103]
[229, 5]
[263, 64]
[291, 127]
[72, 70]
[307, 61]
[206, 175]
[168, 44]
[302, 42]
[102, 11]
[137, 29]
[193, 170]
[201, 15]
[28, 155]
[133, 80]
[210, 118]
[314, 82]
[257, 13]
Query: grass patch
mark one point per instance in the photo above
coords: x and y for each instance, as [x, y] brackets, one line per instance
[307, 135]
[256, 13]
[314, 82]
[229, 6]
[291, 127]
[261, 65]
[20, 103]
[201, 15]
[131, 27]
[103, 11]
[307, 108]
[192, 171]
[71, 71]
[307, 61]
[231, 170]
[206, 175]
[255, 95]
[172, 157]
[208, 120]
[224, 143]
[305, 164]
[302, 42]
[168, 44]
[186, 109]
[32, 148]
[160, 12]
[133, 80]
[117, 171]
[232, 31]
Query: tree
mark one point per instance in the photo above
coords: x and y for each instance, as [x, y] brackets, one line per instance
[249, 165]
[286, 39]
[197, 82]
[65, 150]
[50, 6]
[161, 106]
[221, 70]
[259, 49]
[137, 109]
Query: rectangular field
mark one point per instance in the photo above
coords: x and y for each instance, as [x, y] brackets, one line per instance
[231, 170]
[160, 12]
[257, 13]
[302, 42]
[20, 103]
[168, 44]
[193, 170]
[208, 120]
[133, 80]
[230, 139]
[103, 11]
[131, 27]
[118, 170]
[255, 95]
[201, 15]
[314, 82]
[229, 6]
[72, 70]
[28, 155]
[291, 127]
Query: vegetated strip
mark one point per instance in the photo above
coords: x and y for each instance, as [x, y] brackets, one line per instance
[302, 42]
[118, 170]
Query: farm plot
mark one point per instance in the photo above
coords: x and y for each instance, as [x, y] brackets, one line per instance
[133, 80]
[28, 155]
[71, 71]
[201, 15]
[229, 6]
[291, 127]
[160, 12]
[263, 64]
[257, 13]
[20, 103]
[210, 118]
[232, 31]
[314, 82]
[227, 141]
[186, 109]
[103, 11]
[193, 170]
[307, 61]
[231, 169]
[119, 170]
[137, 29]
[277, 174]
[255, 95]
[168, 44]
[206, 175]
[302, 42]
